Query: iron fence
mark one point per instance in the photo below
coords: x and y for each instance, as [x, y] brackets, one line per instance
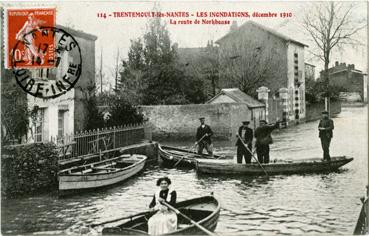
[97, 140]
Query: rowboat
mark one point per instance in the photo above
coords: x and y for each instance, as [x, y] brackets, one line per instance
[362, 225]
[278, 167]
[100, 174]
[172, 155]
[204, 211]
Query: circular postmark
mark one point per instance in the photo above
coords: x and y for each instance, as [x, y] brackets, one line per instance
[65, 56]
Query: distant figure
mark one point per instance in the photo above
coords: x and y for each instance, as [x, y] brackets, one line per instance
[326, 127]
[246, 134]
[263, 139]
[203, 139]
[165, 220]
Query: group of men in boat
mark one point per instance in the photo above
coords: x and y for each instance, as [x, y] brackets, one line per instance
[263, 138]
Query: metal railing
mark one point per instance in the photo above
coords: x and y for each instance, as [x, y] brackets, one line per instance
[99, 140]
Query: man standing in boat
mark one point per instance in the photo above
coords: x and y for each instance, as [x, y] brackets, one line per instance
[263, 139]
[203, 137]
[326, 127]
[246, 134]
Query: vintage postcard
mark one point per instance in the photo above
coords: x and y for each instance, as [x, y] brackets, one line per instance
[184, 117]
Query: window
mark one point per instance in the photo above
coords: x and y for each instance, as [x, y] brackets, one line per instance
[39, 125]
[60, 123]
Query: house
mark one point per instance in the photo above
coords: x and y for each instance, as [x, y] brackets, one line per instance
[309, 72]
[255, 109]
[255, 55]
[352, 81]
[67, 113]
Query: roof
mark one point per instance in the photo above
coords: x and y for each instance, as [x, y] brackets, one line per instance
[344, 70]
[239, 96]
[77, 33]
[272, 31]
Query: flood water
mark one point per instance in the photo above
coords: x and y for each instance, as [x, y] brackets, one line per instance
[283, 204]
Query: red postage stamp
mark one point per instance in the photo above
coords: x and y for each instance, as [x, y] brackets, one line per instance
[27, 45]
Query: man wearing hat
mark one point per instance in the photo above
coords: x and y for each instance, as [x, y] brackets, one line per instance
[246, 134]
[326, 127]
[263, 139]
[203, 135]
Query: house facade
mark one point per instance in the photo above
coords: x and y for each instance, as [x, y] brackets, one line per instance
[352, 81]
[309, 72]
[66, 114]
[255, 54]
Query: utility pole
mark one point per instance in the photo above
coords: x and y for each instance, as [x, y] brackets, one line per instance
[116, 72]
[101, 77]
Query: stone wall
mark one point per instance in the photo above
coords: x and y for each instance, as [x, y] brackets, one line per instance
[314, 111]
[28, 168]
[181, 121]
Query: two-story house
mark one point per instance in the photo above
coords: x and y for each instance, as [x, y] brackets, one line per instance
[67, 113]
[253, 54]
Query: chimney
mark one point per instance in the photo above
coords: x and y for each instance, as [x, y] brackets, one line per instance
[234, 26]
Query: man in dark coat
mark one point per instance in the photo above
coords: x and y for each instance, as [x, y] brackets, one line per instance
[263, 139]
[326, 127]
[203, 139]
[246, 134]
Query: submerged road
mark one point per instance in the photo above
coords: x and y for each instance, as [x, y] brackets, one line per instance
[293, 204]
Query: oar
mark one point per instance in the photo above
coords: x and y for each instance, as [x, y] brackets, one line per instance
[122, 218]
[189, 219]
[252, 154]
[190, 149]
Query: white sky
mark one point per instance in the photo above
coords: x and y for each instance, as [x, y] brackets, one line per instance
[114, 33]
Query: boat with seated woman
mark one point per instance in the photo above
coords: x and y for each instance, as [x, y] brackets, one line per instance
[278, 167]
[204, 211]
[100, 174]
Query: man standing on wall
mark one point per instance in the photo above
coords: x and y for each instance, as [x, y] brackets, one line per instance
[263, 139]
[246, 134]
[326, 127]
[203, 139]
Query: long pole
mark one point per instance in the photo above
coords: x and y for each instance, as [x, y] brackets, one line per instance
[121, 218]
[189, 219]
[252, 154]
[190, 149]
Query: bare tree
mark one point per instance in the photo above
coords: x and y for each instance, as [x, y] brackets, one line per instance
[248, 64]
[332, 25]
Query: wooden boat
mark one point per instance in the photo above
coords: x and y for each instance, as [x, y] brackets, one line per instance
[100, 174]
[172, 155]
[204, 211]
[362, 225]
[280, 167]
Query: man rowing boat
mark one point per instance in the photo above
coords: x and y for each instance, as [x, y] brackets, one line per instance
[246, 134]
[203, 139]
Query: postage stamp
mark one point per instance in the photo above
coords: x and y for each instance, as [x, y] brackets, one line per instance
[33, 51]
[50, 82]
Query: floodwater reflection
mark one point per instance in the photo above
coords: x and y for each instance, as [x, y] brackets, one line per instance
[327, 203]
